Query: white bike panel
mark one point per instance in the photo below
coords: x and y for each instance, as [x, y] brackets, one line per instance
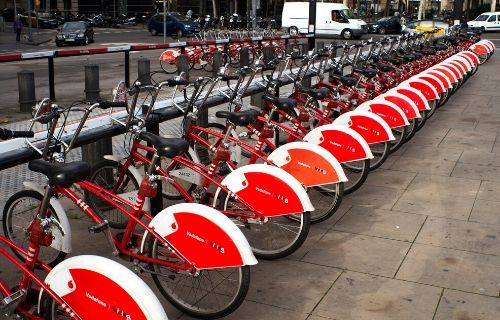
[345, 120]
[401, 96]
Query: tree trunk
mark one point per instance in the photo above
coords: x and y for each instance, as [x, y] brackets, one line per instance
[214, 5]
[386, 11]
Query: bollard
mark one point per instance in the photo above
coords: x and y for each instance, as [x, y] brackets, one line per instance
[92, 83]
[183, 65]
[217, 62]
[94, 152]
[268, 53]
[289, 48]
[26, 85]
[320, 45]
[143, 71]
[244, 57]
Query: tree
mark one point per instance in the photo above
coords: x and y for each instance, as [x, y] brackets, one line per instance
[214, 5]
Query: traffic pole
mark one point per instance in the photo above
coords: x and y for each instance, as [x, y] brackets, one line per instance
[312, 23]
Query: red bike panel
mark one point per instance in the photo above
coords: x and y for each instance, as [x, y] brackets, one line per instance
[393, 117]
[425, 88]
[403, 105]
[371, 130]
[202, 242]
[269, 195]
[471, 55]
[343, 146]
[421, 104]
[447, 72]
[435, 83]
[94, 296]
[441, 77]
[310, 168]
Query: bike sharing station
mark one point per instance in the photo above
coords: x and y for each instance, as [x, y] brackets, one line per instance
[273, 190]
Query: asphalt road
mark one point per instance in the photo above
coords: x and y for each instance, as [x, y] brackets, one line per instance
[69, 72]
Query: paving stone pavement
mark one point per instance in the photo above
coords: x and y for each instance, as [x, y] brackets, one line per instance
[420, 240]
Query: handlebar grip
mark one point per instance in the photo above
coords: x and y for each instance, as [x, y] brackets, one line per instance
[180, 82]
[110, 104]
[7, 134]
[46, 118]
[226, 77]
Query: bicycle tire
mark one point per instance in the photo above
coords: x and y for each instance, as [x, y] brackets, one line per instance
[192, 309]
[400, 135]
[380, 155]
[116, 218]
[322, 214]
[263, 235]
[413, 128]
[169, 68]
[56, 256]
[361, 171]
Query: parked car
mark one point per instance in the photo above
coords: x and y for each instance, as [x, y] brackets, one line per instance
[488, 21]
[423, 25]
[40, 20]
[176, 24]
[386, 25]
[75, 32]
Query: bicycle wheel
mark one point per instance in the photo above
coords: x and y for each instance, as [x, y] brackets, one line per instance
[356, 173]
[326, 199]
[422, 120]
[18, 214]
[380, 153]
[169, 67]
[275, 238]
[207, 294]
[413, 127]
[400, 135]
[106, 174]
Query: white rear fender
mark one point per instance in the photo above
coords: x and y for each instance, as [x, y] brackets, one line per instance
[131, 196]
[59, 242]
[203, 236]
[407, 105]
[425, 87]
[488, 44]
[268, 190]
[471, 55]
[433, 80]
[480, 49]
[309, 163]
[463, 61]
[460, 67]
[369, 125]
[342, 142]
[413, 94]
[446, 71]
[390, 112]
[441, 76]
[99, 288]
[453, 68]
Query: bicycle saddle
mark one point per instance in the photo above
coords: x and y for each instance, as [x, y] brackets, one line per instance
[165, 147]
[347, 81]
[369, 73]
[61, 174]
[317, 94]
[395, 61]
[285, 104]
[384, 67]
[241, 118]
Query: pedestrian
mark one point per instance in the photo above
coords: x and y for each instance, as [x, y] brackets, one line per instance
[18, 27]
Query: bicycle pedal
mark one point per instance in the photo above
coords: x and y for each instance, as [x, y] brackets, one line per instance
[10, 303]
[99, 228]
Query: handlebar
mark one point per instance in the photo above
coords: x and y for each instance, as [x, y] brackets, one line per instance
[8, 134]
[109, 104]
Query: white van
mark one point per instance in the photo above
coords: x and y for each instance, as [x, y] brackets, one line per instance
[488, 21]
[331, 18]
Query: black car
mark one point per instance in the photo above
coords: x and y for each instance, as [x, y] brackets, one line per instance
[386, 25]
[75, 32]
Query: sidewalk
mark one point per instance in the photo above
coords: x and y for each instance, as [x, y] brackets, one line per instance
[419, 241]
